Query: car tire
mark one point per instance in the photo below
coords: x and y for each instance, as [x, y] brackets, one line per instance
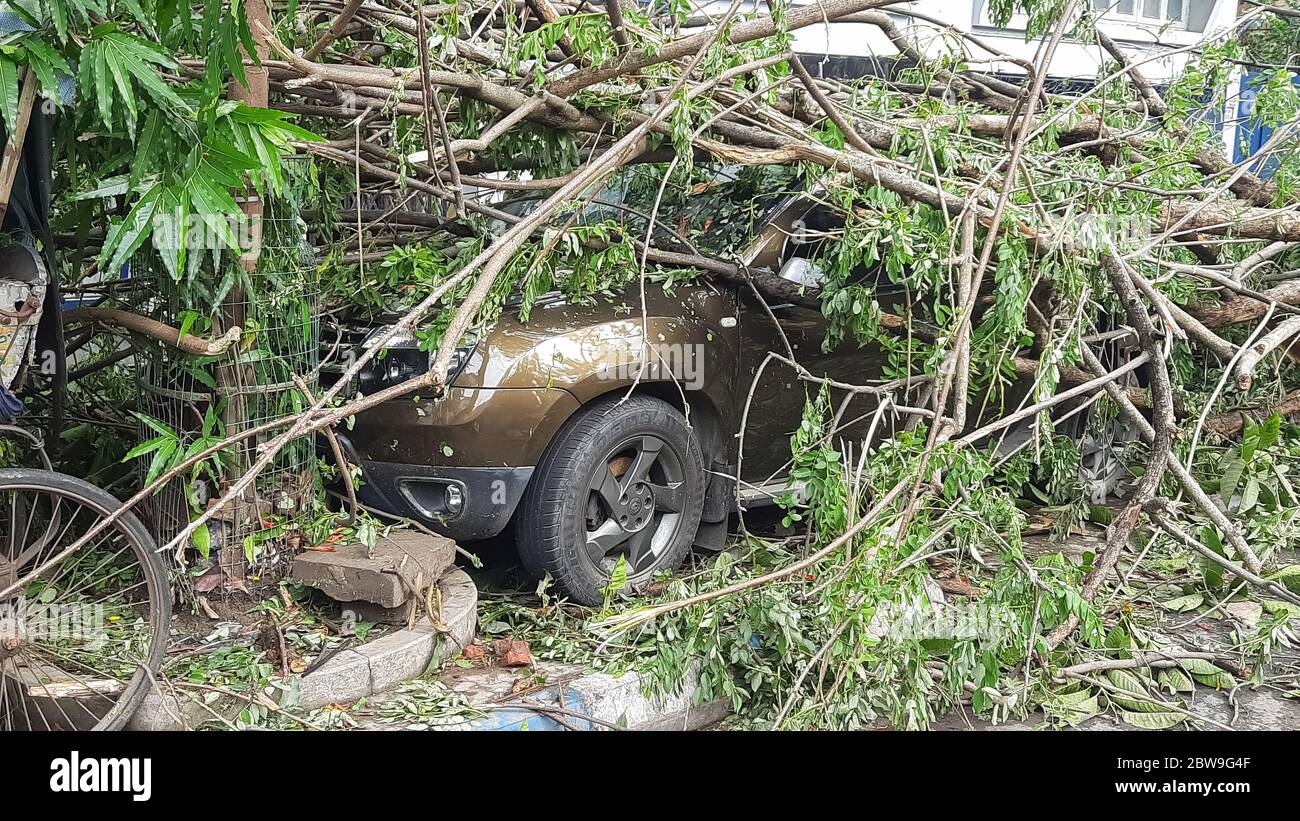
[623, 477]
[1102, 467]
[1103, 441]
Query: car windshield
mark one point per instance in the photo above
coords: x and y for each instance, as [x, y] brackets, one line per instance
[712, 210]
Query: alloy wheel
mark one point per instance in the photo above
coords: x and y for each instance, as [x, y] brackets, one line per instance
[635, 498]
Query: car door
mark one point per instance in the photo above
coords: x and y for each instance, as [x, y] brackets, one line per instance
[776, 400]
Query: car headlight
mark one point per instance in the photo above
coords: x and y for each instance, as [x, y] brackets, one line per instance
[401, 359]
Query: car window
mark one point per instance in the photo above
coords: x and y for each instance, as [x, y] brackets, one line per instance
[815, 234]
[715, 211]
[724, 208]
[811, 233]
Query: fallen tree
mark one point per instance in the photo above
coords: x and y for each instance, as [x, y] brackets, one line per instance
[1028, 227]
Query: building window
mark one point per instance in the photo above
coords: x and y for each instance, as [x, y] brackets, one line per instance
[1152, 16]
[1151, 12]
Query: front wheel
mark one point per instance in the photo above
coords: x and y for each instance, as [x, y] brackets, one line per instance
[622, 481]
[81, 631]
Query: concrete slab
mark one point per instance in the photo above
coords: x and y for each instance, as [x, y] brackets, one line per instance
[341, 680]
[402, 562]
[399, 657]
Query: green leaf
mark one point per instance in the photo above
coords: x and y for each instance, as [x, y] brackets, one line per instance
[1270, 431]
[123, 86]
[125, 237]
[1100, 514]
[1249, 496]
[188, 318]
[98, 59]
[107, 187]
[1119, 639]
[1074, 708]
[1176, 681]
[1182, 604]
[157, 426]
[1206, 673]
[1231, 478]
[166, 15]
[115, 60]
[202, 539]
[1287, 576]
[1212, 572]
[617, 581]
[59, 13]
[145, 447]
[1128, 683]
[48, 64]
[161, 460]
[1153, 721]
[9, 93]
[1276, 607]
[170, 229]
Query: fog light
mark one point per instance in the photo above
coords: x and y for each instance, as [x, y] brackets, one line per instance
[455, 499]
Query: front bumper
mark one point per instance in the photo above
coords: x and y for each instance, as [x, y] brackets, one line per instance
[488, 496]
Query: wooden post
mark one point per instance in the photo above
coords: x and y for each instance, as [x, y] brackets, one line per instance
[13, 154]
[234, 377]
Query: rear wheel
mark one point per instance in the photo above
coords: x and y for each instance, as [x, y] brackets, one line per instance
[79, 633]
[1102, 467]
[623, 481]
[1103, 439]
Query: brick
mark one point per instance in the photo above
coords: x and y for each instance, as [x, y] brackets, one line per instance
[513, 652]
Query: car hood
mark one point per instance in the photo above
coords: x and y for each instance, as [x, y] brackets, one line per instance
[563, 344]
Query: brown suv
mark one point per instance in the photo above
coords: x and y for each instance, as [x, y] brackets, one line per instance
[598, 440]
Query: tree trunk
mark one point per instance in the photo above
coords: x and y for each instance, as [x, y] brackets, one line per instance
[234, 376]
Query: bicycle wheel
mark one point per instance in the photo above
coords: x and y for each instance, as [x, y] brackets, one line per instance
[80, 633]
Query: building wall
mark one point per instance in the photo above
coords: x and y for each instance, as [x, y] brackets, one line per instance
[859, 49]
[1073, 59]
[1147, 42]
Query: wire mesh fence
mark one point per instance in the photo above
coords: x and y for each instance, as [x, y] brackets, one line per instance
[268, 375]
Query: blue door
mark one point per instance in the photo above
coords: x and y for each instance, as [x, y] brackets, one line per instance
[1252, 134]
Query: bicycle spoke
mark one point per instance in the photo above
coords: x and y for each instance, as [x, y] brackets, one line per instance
[72, 654]
[98, 567]
[7, 707]
[93, 689]
[38, 548]
[54, 545]
[52, 696]
[25, 692]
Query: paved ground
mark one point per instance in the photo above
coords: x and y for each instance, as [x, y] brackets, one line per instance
[1247, 708]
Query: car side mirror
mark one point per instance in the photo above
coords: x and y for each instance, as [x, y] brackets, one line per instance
[803, 272]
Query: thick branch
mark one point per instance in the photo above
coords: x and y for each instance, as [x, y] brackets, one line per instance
[153, 329]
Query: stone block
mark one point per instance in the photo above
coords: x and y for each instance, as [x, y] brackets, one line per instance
[401, 562]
